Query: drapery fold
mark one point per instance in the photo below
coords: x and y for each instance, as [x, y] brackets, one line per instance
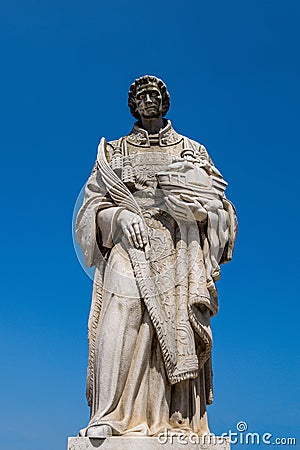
[174, 283]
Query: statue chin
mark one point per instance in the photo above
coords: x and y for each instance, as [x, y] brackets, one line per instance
[99, 431]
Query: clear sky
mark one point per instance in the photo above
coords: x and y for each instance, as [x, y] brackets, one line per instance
[232, 69]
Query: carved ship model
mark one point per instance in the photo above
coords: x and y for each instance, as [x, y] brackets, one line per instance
[194, 182]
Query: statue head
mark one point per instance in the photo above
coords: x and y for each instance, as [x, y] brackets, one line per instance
[148, 97]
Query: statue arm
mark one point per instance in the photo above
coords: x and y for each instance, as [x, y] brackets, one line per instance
[96, 219]
[222, 219]
[232, 230]
[228, 225]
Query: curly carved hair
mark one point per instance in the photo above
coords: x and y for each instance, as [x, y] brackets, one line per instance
[148, 79]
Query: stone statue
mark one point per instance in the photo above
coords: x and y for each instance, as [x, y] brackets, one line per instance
[156, 225]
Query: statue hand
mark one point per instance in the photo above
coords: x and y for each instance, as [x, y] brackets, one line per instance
[200, 213]
[185, 208]
[133, 227]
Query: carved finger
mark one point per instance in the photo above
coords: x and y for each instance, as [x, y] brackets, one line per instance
[136, 227]
[176, 212]
[175, 200]
[175, 207]
[170, 205]
[133, 236]
[134, 221]
[188, 198]
[183, 206]
[198, 203]
[127, 234]
[190, 202]
[143, 233]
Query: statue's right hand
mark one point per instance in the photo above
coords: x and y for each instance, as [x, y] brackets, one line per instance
[133, 227]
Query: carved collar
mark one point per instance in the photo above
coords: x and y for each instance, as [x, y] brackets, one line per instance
[166, 136]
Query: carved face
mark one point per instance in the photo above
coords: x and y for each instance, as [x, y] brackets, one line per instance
[149, 101]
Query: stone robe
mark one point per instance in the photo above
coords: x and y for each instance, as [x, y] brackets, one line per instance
[150, 339]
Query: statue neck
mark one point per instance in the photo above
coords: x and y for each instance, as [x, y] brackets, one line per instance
[153, 125]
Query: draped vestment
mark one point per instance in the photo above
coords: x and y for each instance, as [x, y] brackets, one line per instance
[150, 338]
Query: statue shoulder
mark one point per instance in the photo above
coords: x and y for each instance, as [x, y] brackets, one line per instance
[114, 143]
[199, 149]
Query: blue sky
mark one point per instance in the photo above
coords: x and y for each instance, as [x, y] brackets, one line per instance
[232, 69]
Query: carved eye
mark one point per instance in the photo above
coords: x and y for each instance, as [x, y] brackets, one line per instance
[154, 94]
[141, 96]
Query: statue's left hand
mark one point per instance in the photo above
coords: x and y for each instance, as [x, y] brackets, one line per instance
[185, 208]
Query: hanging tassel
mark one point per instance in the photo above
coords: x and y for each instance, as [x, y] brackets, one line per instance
[117, 159]
[128, 175]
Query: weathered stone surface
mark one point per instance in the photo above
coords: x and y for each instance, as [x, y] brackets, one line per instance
[139, 443]
[157, 226]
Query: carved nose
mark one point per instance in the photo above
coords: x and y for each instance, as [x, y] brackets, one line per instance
[148, 99]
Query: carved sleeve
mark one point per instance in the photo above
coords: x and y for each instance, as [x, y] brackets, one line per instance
[92, 238]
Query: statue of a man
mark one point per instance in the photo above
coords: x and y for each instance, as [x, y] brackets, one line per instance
[156, 225]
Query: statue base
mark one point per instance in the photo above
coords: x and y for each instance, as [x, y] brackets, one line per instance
[150, 443]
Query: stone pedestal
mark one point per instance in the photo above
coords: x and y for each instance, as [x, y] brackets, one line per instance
[149, 443]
